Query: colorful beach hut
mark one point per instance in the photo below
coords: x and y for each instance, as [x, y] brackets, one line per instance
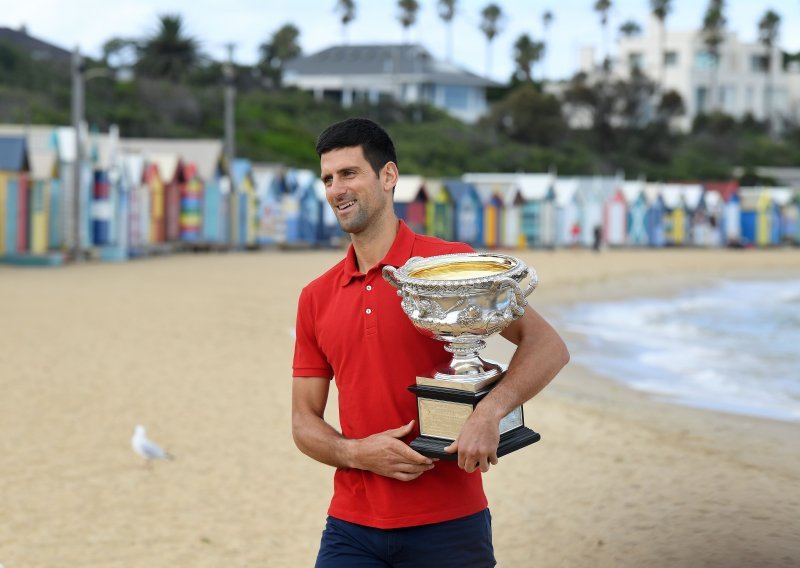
[244, 211]
[439, 213]
[467, 212]
[14, 180]
[538, 209]
[654, 218]
[271, 227]
[410, 202]
[502, 204]
[615, 218]
[636, 212]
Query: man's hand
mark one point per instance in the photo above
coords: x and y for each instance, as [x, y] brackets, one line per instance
[386, 454]
[477, 443]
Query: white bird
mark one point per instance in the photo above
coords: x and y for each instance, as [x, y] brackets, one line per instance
[146, 448]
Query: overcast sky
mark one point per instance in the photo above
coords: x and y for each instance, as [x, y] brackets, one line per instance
[248, 23]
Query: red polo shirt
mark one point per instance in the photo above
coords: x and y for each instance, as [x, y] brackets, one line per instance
[350, 326]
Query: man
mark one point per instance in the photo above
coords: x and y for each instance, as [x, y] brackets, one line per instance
[391, 505]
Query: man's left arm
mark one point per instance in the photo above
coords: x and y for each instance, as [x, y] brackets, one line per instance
[540, 355]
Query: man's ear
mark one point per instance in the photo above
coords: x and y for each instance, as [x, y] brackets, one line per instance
[389, 176]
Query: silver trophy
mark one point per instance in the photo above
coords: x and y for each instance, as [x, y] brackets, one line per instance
[460, 299]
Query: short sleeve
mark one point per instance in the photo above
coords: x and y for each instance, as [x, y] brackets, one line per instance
[460, 247]
[309, 360]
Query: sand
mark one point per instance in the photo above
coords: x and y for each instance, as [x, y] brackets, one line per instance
[198, 349]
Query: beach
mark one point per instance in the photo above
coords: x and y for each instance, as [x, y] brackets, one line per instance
[198, 348]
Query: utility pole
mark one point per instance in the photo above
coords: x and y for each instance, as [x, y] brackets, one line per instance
[230, 129]
[77, 120]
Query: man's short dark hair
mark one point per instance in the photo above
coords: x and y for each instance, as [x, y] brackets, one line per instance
[376, 144]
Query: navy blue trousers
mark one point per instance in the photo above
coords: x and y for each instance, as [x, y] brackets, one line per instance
[462, 543]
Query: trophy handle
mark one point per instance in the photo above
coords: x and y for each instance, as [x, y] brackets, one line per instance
[519, 295]
[389, 276]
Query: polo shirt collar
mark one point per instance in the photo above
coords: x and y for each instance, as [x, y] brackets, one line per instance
[398, 254]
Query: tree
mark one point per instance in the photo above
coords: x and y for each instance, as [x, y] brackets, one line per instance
[492, 20]
[547, 20]
[768, 31]
[603, 7]
[529, 117]
[630, 29]
[347, 13]
[447, 11]
[661, 9]
[407, 14]
[526, 54]
[282, 46]
[713, 33]
[169, 53]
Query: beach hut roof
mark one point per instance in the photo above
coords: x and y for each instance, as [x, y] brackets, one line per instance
[167, 165]
[41, 147]
[434, 187]
[241, 169]
[632, 189]
[678, 194]
[534, 186]
[13, 154]
[460, 189]
[204, 153]
[133, 168]
[778, 195]
[408, 188]
[713, 198]
[565, 190]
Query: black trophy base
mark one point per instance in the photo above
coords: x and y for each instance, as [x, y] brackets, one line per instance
[509, 442]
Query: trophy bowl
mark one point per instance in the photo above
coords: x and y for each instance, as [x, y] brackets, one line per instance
[460, 299]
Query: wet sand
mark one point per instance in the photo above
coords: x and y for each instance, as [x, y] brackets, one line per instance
[198, 349]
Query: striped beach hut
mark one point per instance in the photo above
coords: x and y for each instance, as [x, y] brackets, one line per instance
[14, 180]
[244, 210]
[410, 202]
[591, 196]
[271, 227]
[502, 203]
[756, 216]
[439, 213]
[615, 218]
[467, 212]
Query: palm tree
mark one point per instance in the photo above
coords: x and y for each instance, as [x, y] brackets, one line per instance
[768, 31]
[713, 35]
[630, 29]
[283, 46]
[169, 53]
[491, 25]
[526, 54]
[407, 15]
[603, 7]
[447, 11]
[547, 20]
[661, 9]
[347, 13]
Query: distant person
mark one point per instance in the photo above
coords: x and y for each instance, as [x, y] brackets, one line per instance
[392, 506]
[598, 238]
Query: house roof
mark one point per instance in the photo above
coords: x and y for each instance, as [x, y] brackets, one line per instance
[13, 154]
[383, 59]
[38, 50]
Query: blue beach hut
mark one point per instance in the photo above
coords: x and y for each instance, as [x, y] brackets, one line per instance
[467, 212]
[654, 218]
[637, 212]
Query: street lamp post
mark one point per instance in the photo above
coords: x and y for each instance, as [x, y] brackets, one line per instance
[77, 119]
[230, 129]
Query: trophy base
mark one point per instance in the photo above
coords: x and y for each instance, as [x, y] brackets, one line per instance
[509, 442]
[443, 412]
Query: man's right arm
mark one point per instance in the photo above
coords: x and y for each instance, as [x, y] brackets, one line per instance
[383, 453]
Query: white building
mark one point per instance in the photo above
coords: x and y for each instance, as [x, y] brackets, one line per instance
[737, 83]
[408, 73]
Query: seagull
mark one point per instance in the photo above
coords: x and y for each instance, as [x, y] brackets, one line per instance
[146, 448]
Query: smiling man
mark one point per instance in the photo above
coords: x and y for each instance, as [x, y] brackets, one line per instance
[392, 506]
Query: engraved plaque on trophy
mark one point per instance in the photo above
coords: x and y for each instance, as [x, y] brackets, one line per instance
[460, 299]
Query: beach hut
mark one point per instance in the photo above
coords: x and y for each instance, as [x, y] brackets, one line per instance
[311, 203]
[410, 201]
[191, 202]
[492, 204]
[615, 218]
[244, 203]
[538, 209]
[792, 216]
[269, 185]
[759, 215]
[636, 212]
[467, 212]
[133, 166]
[166, 195]
[511, 222]
[591, 195]
[439, 213]
[654, 218]
[14, 189]
[568, 228]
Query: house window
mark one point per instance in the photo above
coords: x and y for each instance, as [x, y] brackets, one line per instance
[635, 60]
[759, 63]
[700, 96]
[671, 59]
[706, 60]
[456, 97]
[727, 98]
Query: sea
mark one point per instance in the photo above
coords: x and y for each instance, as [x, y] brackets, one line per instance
[733, 346]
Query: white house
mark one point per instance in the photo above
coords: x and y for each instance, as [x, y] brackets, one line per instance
[406, 72]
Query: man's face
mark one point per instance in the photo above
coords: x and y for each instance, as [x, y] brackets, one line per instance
[355, 193]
